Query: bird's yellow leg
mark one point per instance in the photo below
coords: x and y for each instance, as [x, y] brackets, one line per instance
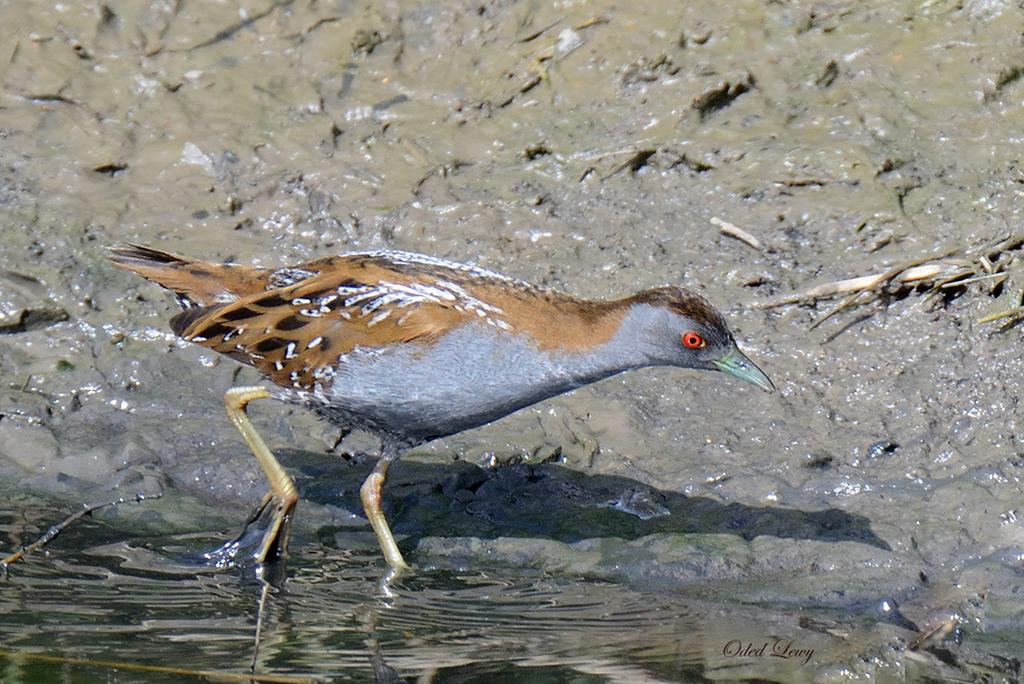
[370, 495]
[282, 492]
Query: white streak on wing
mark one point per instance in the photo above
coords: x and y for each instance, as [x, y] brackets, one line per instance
[468, 300]
[383, 300]
[386, 296]
[399, 257]
[414, 292]
[363, 296]
[435, 293]
[283, 277]
[378, 318]
[324, 373]
[289, 351]
[315, 342]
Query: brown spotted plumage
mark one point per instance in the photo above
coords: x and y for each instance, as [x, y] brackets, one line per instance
[413, 348]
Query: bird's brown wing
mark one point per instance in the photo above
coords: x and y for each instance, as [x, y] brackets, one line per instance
[294, 323]
[296, 334]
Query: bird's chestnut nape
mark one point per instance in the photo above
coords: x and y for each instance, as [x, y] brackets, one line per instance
[691, 340]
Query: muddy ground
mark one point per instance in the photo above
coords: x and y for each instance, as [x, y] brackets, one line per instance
[584, 146]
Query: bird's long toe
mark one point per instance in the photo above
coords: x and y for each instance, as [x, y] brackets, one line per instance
[264, 536]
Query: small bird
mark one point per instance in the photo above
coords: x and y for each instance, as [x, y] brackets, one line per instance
[412, 348]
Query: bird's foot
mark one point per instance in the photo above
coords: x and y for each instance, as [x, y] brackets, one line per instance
[263, 539]
[391, 577]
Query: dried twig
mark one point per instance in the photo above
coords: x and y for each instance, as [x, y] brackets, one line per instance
[726, 228]
[935, 634]
[959, 267]
[1014, 313]
[593, 21]
[115, 665]
[905, 274]
[230, 31]
[55, 530]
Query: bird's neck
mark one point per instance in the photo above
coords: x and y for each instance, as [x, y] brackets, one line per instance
[621, 350]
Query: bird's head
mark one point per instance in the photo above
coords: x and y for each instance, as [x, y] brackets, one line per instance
[681, 328]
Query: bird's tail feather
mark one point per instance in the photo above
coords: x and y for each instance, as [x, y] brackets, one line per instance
[196, 283]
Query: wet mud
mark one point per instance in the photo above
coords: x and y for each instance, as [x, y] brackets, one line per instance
[585, 147]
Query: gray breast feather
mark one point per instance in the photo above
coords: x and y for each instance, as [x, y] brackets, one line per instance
[471, 376]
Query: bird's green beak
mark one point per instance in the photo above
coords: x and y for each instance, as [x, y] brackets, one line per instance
[735, 363]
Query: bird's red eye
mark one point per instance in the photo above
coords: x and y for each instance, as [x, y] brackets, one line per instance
[692, 340]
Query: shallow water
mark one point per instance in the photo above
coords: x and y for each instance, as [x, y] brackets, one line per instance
[155, 602]
[123, 599]
[92, 606]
